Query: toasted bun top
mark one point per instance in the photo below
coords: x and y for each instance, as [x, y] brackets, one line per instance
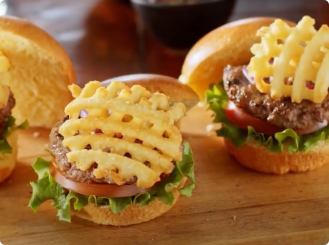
[40, 69]
[178, 93]
[227, 45]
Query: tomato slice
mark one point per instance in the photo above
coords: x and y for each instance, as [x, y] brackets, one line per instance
[241, 119]
[101, 190]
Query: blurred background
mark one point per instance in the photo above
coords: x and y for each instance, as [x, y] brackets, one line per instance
[107, 38]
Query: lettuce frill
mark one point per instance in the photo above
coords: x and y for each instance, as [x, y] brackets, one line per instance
[46, 188]
[287, 140]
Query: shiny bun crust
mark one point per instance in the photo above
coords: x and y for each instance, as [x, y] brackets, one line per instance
[8, 161]
[227, 45]
[258, 158]
[133, 214]
[177, 92]
[41, 72]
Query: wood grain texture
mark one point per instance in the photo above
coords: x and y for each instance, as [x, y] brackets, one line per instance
[230, 205]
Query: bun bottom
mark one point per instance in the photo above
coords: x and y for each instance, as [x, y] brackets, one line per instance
[258, 158]
[133, 214]
[8, 161]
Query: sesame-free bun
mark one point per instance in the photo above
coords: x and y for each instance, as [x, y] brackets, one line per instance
[259, 158]
[8, 160]
[133, 214]
[177, 92]
[41, 71]
[227, 45]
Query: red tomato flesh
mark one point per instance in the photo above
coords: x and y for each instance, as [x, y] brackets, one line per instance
[101, 190]
[241, 119]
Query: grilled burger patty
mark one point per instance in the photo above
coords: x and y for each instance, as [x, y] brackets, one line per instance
[281, 112]
[6, 111]
[70, 170]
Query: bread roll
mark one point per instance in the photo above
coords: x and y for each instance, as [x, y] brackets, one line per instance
[8, 161]
[133, 214]
[41, 71]
[227, 45]
[259, 158]
[177, 92]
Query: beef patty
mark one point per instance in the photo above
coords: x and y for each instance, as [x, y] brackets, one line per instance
[70, 170]
[281, 112]
[6, 111]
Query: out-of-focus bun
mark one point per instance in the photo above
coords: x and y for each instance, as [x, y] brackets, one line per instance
[40, 69]
[8, 160]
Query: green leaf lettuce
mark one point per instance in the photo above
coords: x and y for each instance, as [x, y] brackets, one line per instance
[9, 127]
[287, 140]
[45, 188]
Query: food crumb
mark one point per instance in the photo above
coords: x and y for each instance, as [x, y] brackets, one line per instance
[234, 217]
[210, 128]
[201, 104]
[207, 219]
[36, 134]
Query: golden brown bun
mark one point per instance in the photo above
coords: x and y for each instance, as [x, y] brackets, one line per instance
[41, 71]
[227, 45]
[8, 161]
[133, 214]
[260, 159]
[178, 93]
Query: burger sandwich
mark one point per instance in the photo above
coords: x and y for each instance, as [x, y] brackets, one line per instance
[8, 127]
[118, 157]
[272, 102]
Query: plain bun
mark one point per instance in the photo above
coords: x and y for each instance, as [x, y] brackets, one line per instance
[133, 214]
[8, 160]
[227, 45]
[41, 72]
[177, 92]
[258, 158]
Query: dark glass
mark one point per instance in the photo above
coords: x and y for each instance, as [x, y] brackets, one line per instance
[179, 26]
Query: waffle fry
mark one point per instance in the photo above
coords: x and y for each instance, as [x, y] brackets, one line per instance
[292, 61]
[131, 132]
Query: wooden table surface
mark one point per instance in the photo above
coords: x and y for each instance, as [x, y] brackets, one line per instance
[230, 205]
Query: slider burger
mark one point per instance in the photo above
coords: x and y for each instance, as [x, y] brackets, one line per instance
[8, 134]
[273, 108]
[40, 71]
[118, 157]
